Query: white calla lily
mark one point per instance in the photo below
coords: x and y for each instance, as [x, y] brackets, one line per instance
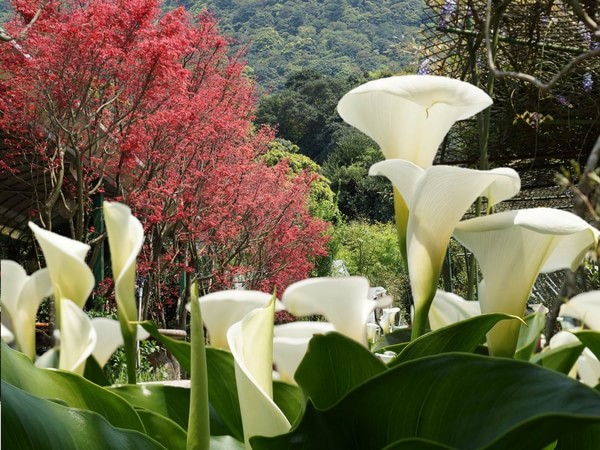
[109, 338]
[125, 239]
[587, 367]
[373, 331]
[21, 298]
[77, 338]
[341, 300]
[437, 198]
[251, 344]
[448, 308]
[222, 309]
[584, 307]
[65, 259]
[388, 319]
[512, 248]
[408, 116]
[290, 343]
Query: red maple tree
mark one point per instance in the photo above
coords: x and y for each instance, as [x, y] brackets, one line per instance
[115, 97]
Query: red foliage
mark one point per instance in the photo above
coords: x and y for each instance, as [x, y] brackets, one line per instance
[113, 95]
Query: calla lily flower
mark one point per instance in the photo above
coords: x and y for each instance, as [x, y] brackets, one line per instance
[388, 318]
[448, 308]
[373, 331]
[65, 259]
[21, 298]
[408, 116]
[222, 309]
[77, 338]
[512, 248]
[437, 198]
[251, 344]
[341, 300]
[584, 307]
[290, 343]
[125, 238]
[109, 338]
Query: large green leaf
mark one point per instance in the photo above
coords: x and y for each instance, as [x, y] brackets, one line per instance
[169, 401]
[560, 358]
[587, 439]
[455, 399]
[463, 336]
[289, 398]
[32, 423]
[392, 341]
[163, 430]
[591, 339]
[331, 370]
[529, 335]
[73, 390]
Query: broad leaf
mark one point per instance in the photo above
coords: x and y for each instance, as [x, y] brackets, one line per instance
[289, 398]
[163, 430]
[391, 340]
[463, 336]
[591, 339]
[75, 391]
[562, 359]
[31, 423]
[334, 365]
[422, 399]
[95, 373]
[529, 335]
[169, 401]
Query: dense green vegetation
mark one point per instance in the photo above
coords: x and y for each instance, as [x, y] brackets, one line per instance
[335, 37]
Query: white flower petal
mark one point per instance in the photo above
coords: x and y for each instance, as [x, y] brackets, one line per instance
[437, 198]
[343, 301]
[125, 239]
[65, 259]
[251, 343]
[448, 308]
[588, 368]
[222, 309]
[109, 338]
[512, 248]
[302, 329]
[21, 314]
[388, 319]
[584, 307]
[77, 338]
[408, 116]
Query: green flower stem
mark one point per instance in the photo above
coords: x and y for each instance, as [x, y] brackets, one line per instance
[401, 216]
[129, 347]
[198, 437]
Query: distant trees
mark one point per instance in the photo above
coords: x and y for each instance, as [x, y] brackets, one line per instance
[116, 99]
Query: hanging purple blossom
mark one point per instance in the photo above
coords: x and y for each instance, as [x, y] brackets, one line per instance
[424, 68]
[447, 10]
[588, 82]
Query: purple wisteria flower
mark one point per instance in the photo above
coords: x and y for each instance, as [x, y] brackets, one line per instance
[588, 82]
[447, 10]
[424, 68]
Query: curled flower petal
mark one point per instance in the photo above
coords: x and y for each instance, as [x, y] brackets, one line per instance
[125, 239]
[222, 309]
[251, 343]
[77, 338]
[388, 319]
[584, 307]
[109, 338]
[343, 301]
[448, 308]
[408, 116]
[437, 198]
[65, 259]
[21, 298]
[512, 248]
[7, 335]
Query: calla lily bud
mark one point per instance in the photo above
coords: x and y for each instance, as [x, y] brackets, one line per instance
[21, 298]
[251, 344]
[343, 301]
[512, 248]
